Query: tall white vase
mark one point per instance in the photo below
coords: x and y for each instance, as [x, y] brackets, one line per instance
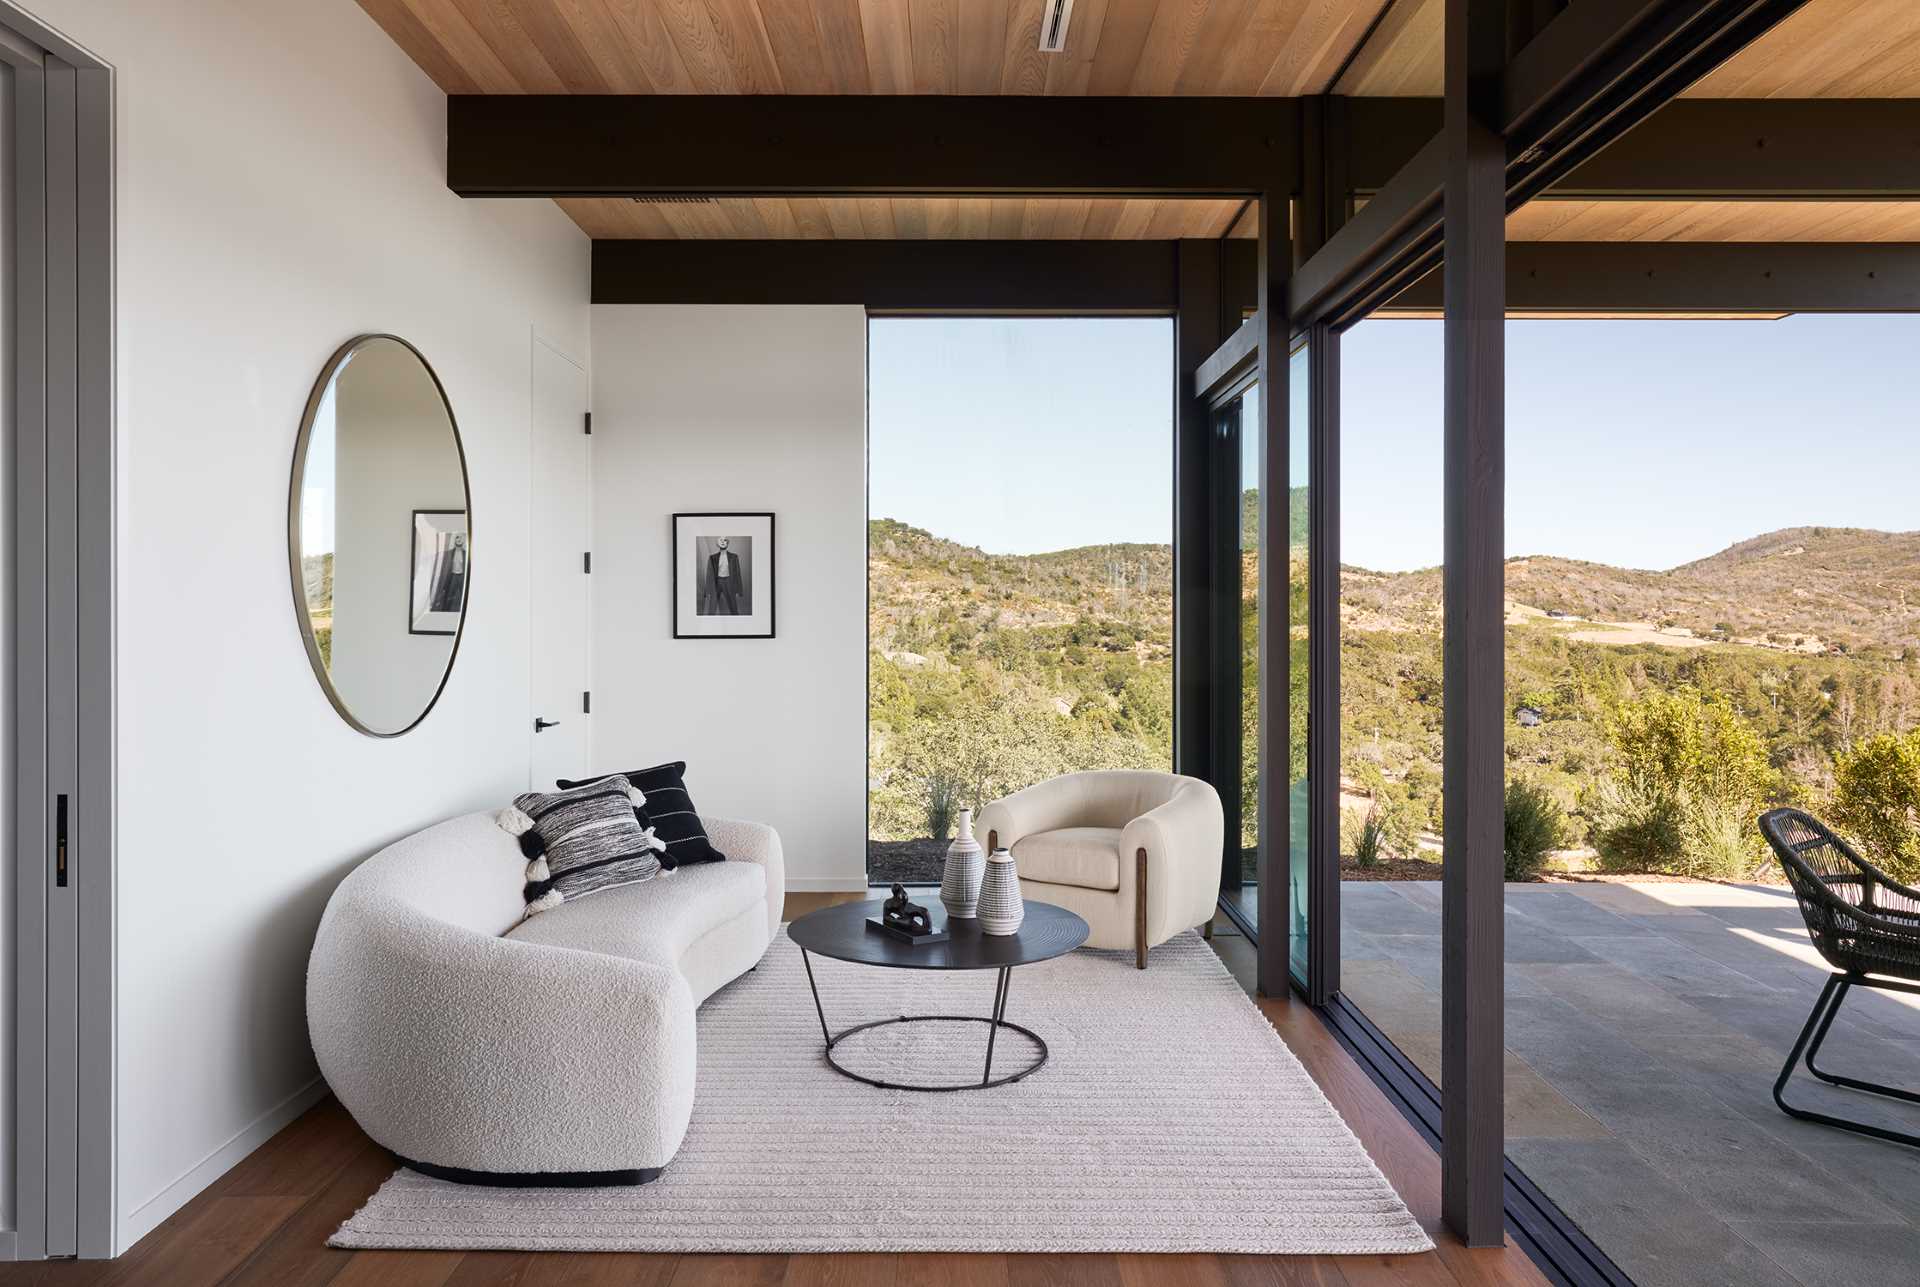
[1001, 908]
[960, 879]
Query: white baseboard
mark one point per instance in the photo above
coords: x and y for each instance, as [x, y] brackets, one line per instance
[827, 884]
[143, 1219]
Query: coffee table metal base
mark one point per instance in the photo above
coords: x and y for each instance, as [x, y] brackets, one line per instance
[995, 1023]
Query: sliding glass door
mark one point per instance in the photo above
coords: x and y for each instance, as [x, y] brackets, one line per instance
[1296, 653]
[1237, 655]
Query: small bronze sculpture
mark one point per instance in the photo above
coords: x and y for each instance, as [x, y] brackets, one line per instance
[907, 918]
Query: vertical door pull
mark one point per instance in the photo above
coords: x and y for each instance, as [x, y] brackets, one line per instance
[60, 841]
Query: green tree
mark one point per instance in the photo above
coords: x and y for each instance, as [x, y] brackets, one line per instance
[1690, 774]
[1876, 800]
[1535, 826]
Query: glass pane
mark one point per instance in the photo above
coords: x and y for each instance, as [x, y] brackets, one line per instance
[1299, 414]
[1690, 643]
[1249, 413]
[1020, 619]
[1391, 708]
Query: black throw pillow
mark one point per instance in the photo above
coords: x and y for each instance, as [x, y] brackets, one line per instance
[668, 810]
[580, 842]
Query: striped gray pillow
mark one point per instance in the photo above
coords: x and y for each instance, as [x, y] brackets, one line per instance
[582, 841]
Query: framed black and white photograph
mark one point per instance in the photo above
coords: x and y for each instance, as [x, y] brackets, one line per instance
[439, 566]
[723, 576]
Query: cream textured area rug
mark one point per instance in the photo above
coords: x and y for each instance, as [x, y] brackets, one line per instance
[1170, 1117]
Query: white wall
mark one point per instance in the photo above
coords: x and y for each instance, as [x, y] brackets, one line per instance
[752, 409]
[281, 188]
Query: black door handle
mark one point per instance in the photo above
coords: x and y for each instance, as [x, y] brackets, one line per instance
[542, 725]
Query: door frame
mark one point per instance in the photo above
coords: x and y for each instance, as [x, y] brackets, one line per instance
[541, 340]
[63, 622]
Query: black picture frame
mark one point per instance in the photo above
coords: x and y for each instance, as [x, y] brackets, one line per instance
[763, 575]
[413, 567]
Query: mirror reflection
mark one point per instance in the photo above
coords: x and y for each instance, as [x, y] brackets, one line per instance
[379, 530]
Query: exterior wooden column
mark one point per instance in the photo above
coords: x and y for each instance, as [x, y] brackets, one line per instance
[1319, 213]
[1472, 932]
[1196, 700]
[1276, 268]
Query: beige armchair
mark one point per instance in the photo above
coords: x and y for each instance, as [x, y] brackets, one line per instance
[1136, 854]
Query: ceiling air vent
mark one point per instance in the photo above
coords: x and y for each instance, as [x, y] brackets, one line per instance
[671, 201]
[1054, 15]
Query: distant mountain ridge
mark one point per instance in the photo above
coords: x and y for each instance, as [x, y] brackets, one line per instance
[1824, 586]
[1816, 588]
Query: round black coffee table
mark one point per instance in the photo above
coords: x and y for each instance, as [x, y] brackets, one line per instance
[841, 933]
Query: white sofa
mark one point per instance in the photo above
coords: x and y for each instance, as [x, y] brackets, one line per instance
[556, 1049]
[1136, 854]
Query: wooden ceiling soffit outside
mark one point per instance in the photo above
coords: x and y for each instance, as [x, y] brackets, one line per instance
[1737, 221]
[1828, 49]
[902, 218]
[1145, 47]
[1567, 219]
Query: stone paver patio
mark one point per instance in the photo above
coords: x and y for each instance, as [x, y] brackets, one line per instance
[1645, 1024]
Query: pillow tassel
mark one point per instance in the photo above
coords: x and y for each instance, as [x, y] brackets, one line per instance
[537, 871]
[546, 902]
[513, 821]
[636, 795]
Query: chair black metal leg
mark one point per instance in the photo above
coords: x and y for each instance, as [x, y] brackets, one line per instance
[1851, 1083]
[1818, 1024]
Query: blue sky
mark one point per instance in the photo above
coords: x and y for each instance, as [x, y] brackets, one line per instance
[1020, 435]
[1637, 443]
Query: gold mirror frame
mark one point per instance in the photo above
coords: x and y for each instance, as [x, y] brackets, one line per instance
[298, 574]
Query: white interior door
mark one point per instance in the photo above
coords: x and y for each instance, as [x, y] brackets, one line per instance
[562, 525]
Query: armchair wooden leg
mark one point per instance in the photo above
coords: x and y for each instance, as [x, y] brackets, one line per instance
[1140, 910]
[1206, 930]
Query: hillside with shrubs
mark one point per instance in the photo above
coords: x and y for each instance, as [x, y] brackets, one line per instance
[1654, 714]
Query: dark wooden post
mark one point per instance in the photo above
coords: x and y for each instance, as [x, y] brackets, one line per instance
[1472, 932]
[1319, 213]
[1276, 268]
[1197, 334]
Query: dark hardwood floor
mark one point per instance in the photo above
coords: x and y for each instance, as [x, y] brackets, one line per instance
[266, 1222]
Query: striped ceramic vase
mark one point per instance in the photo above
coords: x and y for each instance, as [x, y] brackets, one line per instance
[960, 879]
[1001, 910]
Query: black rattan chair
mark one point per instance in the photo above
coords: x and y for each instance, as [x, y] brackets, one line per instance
[1866, 925]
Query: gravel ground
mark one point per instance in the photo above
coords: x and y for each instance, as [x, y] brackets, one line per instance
[910, 862]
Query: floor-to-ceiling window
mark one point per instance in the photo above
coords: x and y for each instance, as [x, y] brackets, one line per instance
[1020, 565]
[1391, 707]
[1241, 417]
[1298, 635]
[1713, 606]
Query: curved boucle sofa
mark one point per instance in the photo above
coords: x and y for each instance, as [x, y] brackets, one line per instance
[556, 1049]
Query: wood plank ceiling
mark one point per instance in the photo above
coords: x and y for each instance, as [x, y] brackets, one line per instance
[1715, 221]
[1830, 48]
[1149, 47]
[906, 218]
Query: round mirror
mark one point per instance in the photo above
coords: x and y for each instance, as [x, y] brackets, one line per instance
[378, 534]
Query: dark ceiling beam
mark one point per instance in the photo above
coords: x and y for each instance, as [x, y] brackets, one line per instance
[609, 145]
[1039, 277]
[1697, 149]
[586, 145]
[1592, 73]
[1860, 149]
[1699, 277]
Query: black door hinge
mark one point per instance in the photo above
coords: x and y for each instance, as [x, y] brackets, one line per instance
[586, 562]
[60, 841]
[586, 702]
[589, 419]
